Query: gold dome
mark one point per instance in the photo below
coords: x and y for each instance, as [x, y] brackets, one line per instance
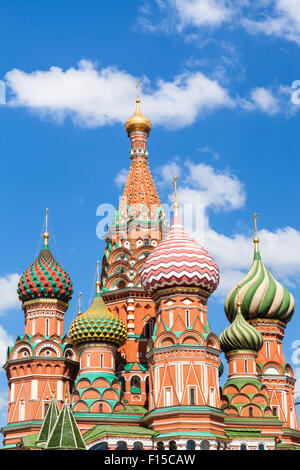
[137, 122]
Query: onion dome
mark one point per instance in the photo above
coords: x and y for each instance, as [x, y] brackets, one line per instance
[261, 295]
[240, 335]
[98, 324]
[45, 278]
[179, 261]
[137, 122]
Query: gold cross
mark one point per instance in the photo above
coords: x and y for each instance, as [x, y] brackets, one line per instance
[46, 219]
[79, 302]
[137, 90]
[175, 188]
[98, 276]
[255, 224]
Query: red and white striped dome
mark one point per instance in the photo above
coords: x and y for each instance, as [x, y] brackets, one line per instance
[179, 261]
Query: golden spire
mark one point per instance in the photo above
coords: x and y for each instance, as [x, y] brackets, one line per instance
[255, 239]
[98, 283]
[46, 234]
[137, 122]
[175, 205]
[79, 303]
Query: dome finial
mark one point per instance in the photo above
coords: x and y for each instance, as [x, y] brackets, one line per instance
[79, 303]
[46, 234]
[255, 239]
[137, 122]
[175, 205]
[238, 299]
[98, 283]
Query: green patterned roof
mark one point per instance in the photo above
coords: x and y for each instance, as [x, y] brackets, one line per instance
[49, 422]
[261, 295]
[45, 279]
[98, 324]
[65, 434]
[240, 335]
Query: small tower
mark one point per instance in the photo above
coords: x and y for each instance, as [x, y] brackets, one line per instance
[268, 306]
[243, 394]
[183, 353]
[43, 355]
[97, 333]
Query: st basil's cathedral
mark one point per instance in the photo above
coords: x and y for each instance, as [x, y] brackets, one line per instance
[140, 369]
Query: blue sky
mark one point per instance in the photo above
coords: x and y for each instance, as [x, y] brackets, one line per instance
[216, 82]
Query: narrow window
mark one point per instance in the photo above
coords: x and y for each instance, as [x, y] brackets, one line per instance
[268, 349]
[187, 318]
[33, 327]
[274, 411]
[101, 360]
[251, 412]
[88, 361]
[170, 318]
[192, 396]
[246, 366]
[47, 327]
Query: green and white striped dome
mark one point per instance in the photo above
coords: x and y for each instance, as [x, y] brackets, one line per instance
[240, 335]
[260, 294]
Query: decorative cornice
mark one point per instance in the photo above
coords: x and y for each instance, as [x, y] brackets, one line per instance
[180, 290]
[45, 301]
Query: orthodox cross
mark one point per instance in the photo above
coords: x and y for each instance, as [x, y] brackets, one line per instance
[255, 224]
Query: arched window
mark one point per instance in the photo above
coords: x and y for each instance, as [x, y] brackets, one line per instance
[148, 329]
[138, 446]
[46, 406]
[268, 349]
[160, 445]
[100, 446]
[122, 380]
[146, 242]
[243, 447]
[274, 411]
[172, 445]
[191, 445]
[101, 359]
[135, 384]
[204, 445]
[261, 447]
[101, 408]
[121, 445]
[246, 366]
[251, 412]
[88, 363]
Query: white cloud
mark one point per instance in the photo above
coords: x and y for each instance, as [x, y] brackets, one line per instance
[204, 185]
[279, 18]
[202, 12]
[92, 97]
[8, 292]
[121, 177]
[5, 341]
[264, 100]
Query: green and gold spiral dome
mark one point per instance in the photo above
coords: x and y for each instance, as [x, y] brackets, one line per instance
[98, 324]
[240, 335]
[261, 295]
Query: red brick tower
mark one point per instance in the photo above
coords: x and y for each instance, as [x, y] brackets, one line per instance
[138, 227]
[43, 357]
[183, 353]
[268, 306]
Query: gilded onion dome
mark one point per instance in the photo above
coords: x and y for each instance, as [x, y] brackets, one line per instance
[138, 122]
[261, 295]
[45, 278]
[179, 261]
[240, 335]
[98, 324]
